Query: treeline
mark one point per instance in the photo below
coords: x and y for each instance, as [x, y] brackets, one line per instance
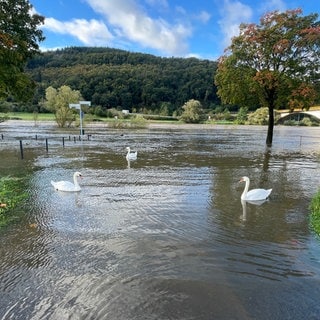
[112, 78]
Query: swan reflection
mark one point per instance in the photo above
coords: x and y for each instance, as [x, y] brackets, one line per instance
[244, 206]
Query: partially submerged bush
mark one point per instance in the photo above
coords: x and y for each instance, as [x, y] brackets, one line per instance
[137, 122]
[192, 112]
[259, 117]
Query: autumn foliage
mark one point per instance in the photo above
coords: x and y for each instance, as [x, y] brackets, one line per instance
[273, 64]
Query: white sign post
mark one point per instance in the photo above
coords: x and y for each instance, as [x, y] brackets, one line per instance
[78, 106]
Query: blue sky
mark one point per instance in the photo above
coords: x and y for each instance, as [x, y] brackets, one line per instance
[169, 28]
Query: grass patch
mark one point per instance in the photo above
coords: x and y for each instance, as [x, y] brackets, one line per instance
[315, 213]
[12, 193]
[28, 116]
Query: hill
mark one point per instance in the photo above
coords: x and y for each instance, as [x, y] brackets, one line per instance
[112, 78]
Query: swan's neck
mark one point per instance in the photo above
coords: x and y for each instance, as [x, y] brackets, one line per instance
[245, 191]
[75, 181]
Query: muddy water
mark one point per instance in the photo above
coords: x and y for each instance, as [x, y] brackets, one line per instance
[165, 236]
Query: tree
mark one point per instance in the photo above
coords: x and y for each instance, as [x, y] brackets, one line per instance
[19, 37]
[58, 100]
[272, 64]
[192, 111]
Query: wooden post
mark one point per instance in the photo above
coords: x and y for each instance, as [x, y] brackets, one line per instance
[63, 141]
[21, 149]
[47, 144]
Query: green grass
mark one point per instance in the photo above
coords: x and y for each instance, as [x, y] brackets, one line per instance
[11, 194]
[28, 116]
[315, 213]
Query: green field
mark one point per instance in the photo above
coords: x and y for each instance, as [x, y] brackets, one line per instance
[27, 116]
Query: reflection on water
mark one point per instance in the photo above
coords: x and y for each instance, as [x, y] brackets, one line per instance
[169, 238]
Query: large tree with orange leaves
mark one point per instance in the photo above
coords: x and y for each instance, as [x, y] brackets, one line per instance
[272, 64]
[19, 38]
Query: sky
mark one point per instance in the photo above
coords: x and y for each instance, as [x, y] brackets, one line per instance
[166, 28]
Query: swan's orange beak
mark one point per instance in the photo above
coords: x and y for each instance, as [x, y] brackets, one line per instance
[241, 180]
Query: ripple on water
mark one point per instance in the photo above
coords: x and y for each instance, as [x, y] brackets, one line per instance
[165, 238]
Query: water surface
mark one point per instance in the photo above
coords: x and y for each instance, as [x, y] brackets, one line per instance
[165, 236]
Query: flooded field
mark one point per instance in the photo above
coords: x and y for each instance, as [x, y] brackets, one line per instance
[164, 236]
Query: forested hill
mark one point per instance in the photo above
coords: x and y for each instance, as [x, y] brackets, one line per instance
[113, 78]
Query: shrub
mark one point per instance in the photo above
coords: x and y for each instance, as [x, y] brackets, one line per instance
[138, 122]
[260, 117]
[290, 122]
[193, 112]
[242, 115]
[306, 122]
[99, 112]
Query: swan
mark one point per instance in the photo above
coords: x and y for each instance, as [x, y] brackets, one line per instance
[131, 155]
[254, 194]
[68, 186]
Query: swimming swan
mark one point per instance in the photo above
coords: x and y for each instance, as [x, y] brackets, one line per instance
[131, 155]
[68, 186]
[254, 194]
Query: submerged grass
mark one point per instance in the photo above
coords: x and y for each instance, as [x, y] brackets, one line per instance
[12, 194]
[315, 213]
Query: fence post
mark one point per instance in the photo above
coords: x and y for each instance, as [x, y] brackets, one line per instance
[21, 149]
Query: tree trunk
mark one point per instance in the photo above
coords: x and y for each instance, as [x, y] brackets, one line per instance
[270, 126]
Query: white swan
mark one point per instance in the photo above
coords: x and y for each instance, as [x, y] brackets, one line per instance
[131, 155]
[68, 186]
[254, 194]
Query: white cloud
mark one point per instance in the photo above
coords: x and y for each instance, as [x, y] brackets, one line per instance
[204, 16]
[233, 14]
[271, 5]
[91, 33]
[131, 22]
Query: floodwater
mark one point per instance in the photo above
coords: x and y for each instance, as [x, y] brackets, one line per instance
[165, 236]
